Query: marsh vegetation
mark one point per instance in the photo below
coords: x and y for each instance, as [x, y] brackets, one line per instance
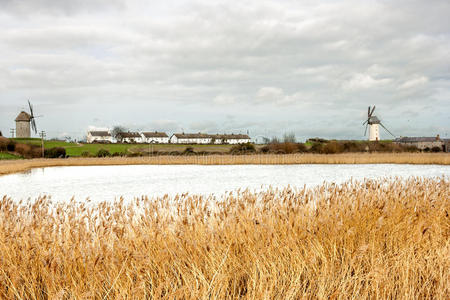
[372, 239]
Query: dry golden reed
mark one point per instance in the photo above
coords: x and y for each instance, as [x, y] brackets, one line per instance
[14, 166]
[386, 239]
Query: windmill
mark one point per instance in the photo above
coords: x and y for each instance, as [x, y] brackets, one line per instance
[25, 122]
[32, 118]
[372, 122]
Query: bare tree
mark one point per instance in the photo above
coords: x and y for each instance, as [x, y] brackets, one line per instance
[274, 140]
[117, 129]
[289, 138]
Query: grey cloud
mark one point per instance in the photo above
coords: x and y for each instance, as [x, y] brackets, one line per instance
[203, 126]
[224, 99]
[164, 125]
[67, 7]
[253, 60]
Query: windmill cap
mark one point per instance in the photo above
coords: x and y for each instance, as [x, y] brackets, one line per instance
[374, 120]
[23, 116]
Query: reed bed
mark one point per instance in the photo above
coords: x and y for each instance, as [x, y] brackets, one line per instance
[7, 167]
[384, 239]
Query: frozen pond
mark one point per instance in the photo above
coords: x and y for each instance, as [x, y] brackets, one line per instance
[111, 182]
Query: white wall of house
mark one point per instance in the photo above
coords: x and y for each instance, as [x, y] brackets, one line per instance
[194, 141]
[207, 140]
[237, 141]
[231, 141]
[175, 140]
[423, 145]
[131, 140]
[92, 139]
[158, 140]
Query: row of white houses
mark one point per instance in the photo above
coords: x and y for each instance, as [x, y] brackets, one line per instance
[163, 138]
[202, 138]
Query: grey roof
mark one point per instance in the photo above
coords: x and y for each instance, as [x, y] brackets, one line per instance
[154, 134]
[23, 117]
[231, 136]
[129, 135]
[99, 133]
[417, 139]
[374, 120]
[211, 136]
[192, 135]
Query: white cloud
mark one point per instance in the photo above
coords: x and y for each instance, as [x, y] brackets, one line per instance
[364, 81]
[203, 126]
[274, 95]
[164, 125]
[192, 61]
[224, 99]
[269, 95]
[414, 82]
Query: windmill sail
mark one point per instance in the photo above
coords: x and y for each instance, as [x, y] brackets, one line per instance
[33, 125]
[387, 129]
[32, 118]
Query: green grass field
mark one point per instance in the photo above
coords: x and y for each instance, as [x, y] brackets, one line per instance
[181, 148]
[73, 149]
[6, 155]
[143, 148]
[93, 148]
[47, 144]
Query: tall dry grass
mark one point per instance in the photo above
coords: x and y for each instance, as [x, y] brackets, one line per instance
[376, 239]
[7, 167]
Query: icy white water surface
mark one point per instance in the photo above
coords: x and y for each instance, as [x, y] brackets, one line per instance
[110, 182]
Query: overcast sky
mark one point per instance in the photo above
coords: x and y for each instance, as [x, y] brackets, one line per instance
[269, 67]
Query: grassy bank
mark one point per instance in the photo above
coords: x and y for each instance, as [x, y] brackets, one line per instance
[74, 150]
[318, 147]
[377, 239]
[7, 156]
[7, 167]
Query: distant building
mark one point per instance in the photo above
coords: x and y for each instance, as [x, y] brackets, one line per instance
[446, 145]
[129, 137]
[202, 138]
[23, 125]
[99, 137]
[230, 139]
[190, 138]
[424, 143]
[155, 137]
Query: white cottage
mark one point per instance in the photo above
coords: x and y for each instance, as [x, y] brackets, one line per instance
[190, 138]
[99, 137]
[230, 139]
[130, 137]
[155, 137]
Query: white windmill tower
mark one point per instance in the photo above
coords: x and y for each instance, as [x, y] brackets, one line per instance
[372, 122]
